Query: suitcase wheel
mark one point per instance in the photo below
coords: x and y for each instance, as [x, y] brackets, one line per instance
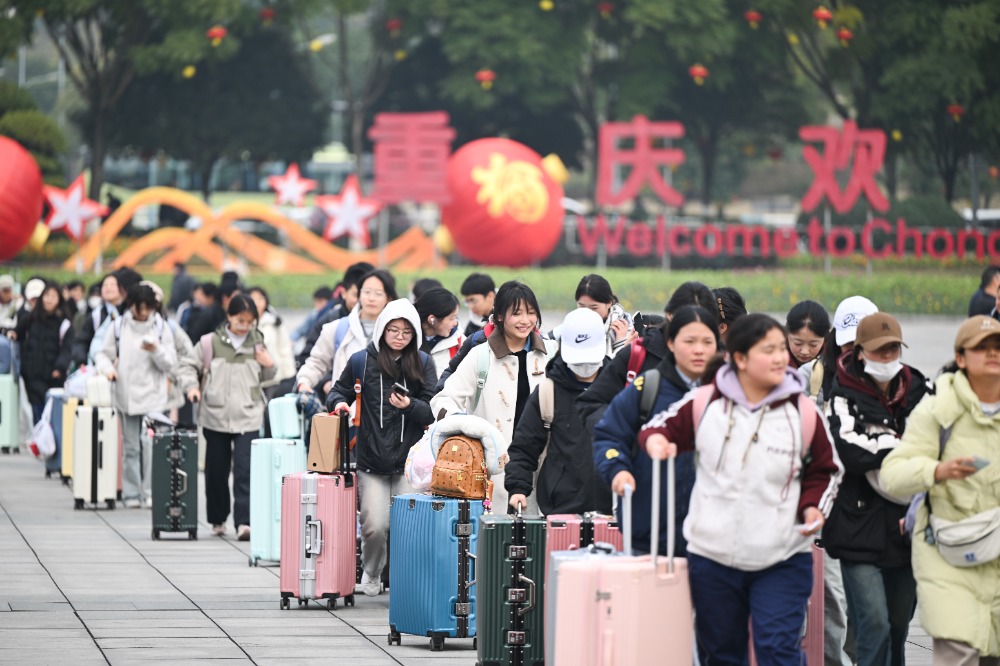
[331, 604]
[394, 637]
[66, 479]
[251, 562]
[77, 504]
[156, 534]
[284, 603]
[303, 602]
[475, 643]
[192, 535]
[349, 600]
[119, 496]
[48, 474]
[110, 504]
[437, 644]
[5, 450]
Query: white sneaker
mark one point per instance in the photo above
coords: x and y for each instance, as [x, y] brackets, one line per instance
[132, 504]
[372, 588]
[219, 530]
[147, 502]
[243, 533]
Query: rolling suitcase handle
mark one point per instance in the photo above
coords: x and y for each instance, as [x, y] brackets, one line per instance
[627, 520]
[314, 547]
[671, 517]
[345, 450]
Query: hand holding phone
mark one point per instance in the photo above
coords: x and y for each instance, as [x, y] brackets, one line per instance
[979, 462]
[399, 389]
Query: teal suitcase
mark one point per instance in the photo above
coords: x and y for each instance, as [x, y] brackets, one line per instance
[10, 408]
[270, 461]
[175, 483]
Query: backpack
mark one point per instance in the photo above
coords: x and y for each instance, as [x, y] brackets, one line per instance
[460, 469]
[637, 356]
[910, 521]
[483, 367]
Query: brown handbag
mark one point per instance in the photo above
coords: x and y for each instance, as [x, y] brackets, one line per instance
[460, 470]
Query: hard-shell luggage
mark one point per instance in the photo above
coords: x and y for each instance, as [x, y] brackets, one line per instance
[175, 482]
[510, 600]
[68, 428]
[53, 464]
[270, 461]
[96, 457]
[569, 531]
[285, 419]
[10, 409]
[318, 531]
[432, 567]
[627, 610]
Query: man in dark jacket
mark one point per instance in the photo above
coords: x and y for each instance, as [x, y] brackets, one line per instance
[180, 288]
[551, 429]
[984, 300]
[207, 313]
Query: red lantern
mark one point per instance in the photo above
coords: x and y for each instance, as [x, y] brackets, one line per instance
[753, 18]
[956, 111]
[606, 9]
[20, 197]
[394, 25]
[822, 16]
[216, 33]
[994, 172]
[486, 78]
[698, 72]
[267, 15]
[845, 36]
[506, 206]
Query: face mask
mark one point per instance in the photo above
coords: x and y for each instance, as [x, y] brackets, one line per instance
[883, 372]
[94, 302]
[584, 369]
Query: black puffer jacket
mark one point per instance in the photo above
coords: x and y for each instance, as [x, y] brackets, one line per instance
[592, 402]
[863, 526]
[386, 433]
[567, 482]
[46, 345]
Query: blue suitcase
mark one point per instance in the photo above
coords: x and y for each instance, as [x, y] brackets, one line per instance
[285, 419]
[270, 460]
[53, 464]
[431, 567]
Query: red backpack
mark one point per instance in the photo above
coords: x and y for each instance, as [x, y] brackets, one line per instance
[637, 356]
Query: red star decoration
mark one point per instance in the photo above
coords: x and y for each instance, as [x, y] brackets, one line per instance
[71, 209]
[348, 212]
[291, 188]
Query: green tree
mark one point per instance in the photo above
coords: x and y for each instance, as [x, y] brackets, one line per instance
[21, 120]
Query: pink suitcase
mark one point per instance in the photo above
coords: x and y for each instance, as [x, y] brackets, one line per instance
[570, 531]
[812, 641]
[318, 535]
[627, 610]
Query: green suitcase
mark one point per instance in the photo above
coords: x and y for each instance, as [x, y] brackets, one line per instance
[510, 579]
[175, 483]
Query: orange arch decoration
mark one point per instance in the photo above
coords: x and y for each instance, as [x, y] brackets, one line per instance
[412, 250]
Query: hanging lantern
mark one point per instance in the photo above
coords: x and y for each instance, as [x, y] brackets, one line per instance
[994, 172]
[896, 135]
[606, 9]
[486, 78]
[822, 16]
[189, 72]
[956, 111]
[394, 25]
[21, 197]
[216, 33]
[753, 18]
[844, 36]
[546, 5]
[267, 16]
[698, 72]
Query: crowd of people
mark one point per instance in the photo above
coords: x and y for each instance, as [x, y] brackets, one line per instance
[786, 434]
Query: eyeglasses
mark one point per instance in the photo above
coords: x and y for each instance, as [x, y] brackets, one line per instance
[399, 332]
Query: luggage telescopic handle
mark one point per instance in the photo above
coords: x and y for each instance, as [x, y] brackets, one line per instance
[345, 448]
[627, 520]
[671, 510]
[314, 546]
[531, 595]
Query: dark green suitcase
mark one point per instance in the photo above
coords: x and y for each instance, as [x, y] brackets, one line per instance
[175, 483]
[510, 593]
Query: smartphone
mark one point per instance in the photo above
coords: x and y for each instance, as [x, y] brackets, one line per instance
[399, 389]
[258, 347]
[638, 323]
[979, 462]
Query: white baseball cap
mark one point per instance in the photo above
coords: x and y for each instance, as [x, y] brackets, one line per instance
[583, 337]
[849, 314]
[34, 288]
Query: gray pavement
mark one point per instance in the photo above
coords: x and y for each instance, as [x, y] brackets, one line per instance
[92, 587]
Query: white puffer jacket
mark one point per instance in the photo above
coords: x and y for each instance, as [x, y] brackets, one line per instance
[142, 376]
[278, 342]
[328, 361]
[445, 350]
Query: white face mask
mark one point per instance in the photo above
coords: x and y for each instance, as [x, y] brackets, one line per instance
[584, 369]
[94, 302]
[883, 372]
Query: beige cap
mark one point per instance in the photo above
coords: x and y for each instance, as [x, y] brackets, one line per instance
[974, 330]
[877, 330]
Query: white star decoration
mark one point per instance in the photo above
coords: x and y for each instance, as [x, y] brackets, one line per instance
[290, 189]
[348, 212]
[71, 210]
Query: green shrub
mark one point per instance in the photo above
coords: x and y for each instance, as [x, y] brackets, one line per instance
[40, 135]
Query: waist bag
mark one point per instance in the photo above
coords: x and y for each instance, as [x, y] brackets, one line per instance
[460, 469]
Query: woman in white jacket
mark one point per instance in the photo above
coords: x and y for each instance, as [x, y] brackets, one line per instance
[496, 378]
[342, 337]
[276, 339]
[438, 311]
[139, 353]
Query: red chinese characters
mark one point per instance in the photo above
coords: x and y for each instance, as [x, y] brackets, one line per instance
[411, 156]
[644, 159]
[867, 147]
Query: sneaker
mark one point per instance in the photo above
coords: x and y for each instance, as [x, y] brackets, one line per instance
[219, 530]
[243, 533]
[147, 502]
[132, 504]
[372, 588]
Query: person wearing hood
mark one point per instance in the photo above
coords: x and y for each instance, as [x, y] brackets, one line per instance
[232, 409]
[760, 497]
[691, 341]
[567, 482]
[870, 400]
[138, 354]
[438, 310]
[391, 421]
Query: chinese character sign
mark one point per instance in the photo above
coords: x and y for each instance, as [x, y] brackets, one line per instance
[867, 147]
[643, 159]
[411, 156]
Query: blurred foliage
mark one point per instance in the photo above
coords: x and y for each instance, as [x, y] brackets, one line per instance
[21, 121]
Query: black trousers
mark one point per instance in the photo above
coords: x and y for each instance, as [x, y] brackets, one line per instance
[227, 452]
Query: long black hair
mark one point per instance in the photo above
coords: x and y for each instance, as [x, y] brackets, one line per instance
[242, 303]
[748, 331]
[383, 276]
[267, 300]
[689, 314]
[510, 296]
[808, 314]
[597, 287]
[409, 365]
[435, 302]
[39, 313]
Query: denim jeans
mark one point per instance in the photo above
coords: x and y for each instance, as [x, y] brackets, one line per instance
[880, 603]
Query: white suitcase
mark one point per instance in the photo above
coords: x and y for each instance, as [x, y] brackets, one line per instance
[96, 457]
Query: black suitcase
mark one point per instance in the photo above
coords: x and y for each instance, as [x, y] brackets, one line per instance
[175, 482]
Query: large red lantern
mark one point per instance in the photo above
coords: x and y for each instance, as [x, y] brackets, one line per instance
[506, 207]
[20, 197]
